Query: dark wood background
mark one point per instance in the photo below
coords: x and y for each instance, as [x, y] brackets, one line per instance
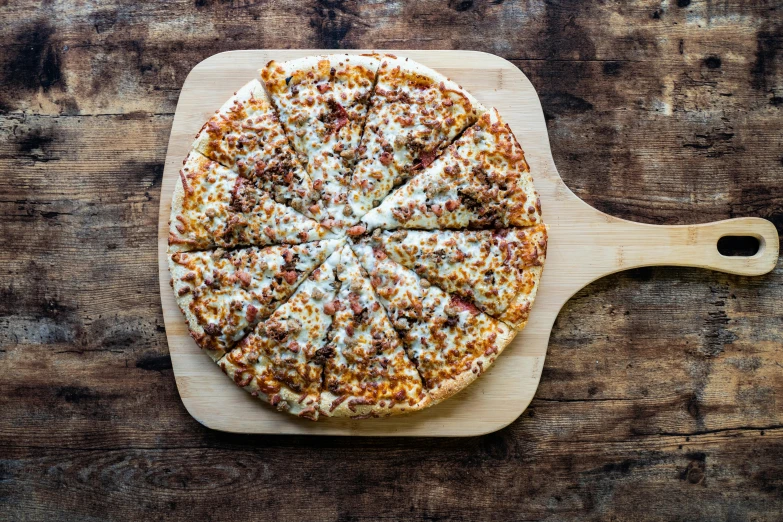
[662, 396]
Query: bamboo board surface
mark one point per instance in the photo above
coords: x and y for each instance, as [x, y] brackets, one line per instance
[584, 244]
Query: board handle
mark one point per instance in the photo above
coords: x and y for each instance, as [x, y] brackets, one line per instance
[696, 245]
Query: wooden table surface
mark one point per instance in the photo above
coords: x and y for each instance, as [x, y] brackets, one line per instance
[662, 395]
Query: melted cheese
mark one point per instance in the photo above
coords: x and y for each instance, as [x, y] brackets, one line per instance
[216, 207]
[322, 102]
[497, 270]
[446, 338]
[280, 361]
[224, 294]
[367, 369]
[245, 135]
[481, 181]
[415, 113]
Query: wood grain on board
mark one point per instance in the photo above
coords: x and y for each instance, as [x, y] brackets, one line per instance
[660, 396]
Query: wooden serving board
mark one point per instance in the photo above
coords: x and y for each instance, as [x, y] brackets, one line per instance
[584, 244]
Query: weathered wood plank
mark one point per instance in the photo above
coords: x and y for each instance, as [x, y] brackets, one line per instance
[661, 397]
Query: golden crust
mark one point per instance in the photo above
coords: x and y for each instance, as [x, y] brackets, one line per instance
[333, 406]
[285, 400]
[177, 271]
[176, 242]
[480, 365]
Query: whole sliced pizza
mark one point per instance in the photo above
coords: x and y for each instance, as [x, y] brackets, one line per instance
[355, 236]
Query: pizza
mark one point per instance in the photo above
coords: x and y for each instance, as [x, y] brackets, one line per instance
[281, 361]
[497, 270]
[322, 102]
[223, 293]
[450, 340]
[355, 236]
[415, 113]
[245, 135]
[366, 369]
[213, 206]
[482, 181]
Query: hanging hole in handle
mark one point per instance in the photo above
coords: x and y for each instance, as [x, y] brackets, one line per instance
[739, 246]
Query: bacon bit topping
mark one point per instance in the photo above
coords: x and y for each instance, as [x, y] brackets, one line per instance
[211, 329]
[352, 404]
[356, 307]
[452, 205]
[244, 278]
[323, 87]
[489, 351]
[402, 214]
[386, 159]
[330, 308]
[188, 188]
[317, 184]
[314, 209]
[437, 210]
[380, 254]
[356, 230]
[288, 255]
[269, 232]
[242, 379]
[337, 402]
[309, 413]
[251, 313]
[461, 305]
[213, 127]
[399, 396]
[277, 401]
[293, 346]
[184, 290]
[190, 276]
[290, 277]
[349, 330]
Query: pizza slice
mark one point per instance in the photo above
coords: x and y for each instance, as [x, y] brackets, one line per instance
[415, 113]
[449, 340]
[497, 270]
[213, 206]
[245, 135]
[481, 181]
[224, 294]
[322, 102]
[366, 370]
[281, 362]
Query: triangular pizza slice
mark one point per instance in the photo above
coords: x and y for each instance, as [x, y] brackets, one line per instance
[415, 113]
[214, 206]
[322, 102]
[366, 370]
[497, 270]
[449, 340]
[481, 181]
[281, 362]
[224, 294]
[245, 135]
